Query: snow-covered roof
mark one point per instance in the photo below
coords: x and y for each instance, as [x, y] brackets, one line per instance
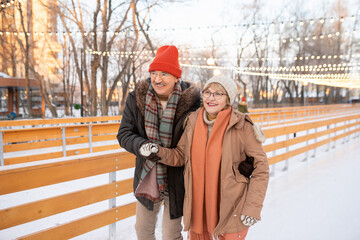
[4, 75]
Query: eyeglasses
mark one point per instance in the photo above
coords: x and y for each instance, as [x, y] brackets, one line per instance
[217, 95]
[160, 74]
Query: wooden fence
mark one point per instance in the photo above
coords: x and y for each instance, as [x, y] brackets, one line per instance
[25, 178]
[76, 136]
[309, 136]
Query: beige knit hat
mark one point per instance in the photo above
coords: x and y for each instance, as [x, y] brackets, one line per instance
[227, 83]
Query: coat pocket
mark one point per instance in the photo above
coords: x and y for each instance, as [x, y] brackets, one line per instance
[235, 165]
[238, 176]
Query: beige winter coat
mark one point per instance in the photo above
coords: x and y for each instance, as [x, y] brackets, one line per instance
[238, 194]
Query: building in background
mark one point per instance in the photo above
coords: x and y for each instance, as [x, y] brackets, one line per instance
[34, 19]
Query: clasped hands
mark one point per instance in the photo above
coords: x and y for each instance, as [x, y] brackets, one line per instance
[149, 151]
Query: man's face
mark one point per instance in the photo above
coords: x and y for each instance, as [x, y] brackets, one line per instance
[163, 82]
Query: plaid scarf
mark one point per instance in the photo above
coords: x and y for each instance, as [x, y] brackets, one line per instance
[158, 127]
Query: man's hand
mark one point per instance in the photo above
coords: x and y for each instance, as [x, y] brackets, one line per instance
[149, 151]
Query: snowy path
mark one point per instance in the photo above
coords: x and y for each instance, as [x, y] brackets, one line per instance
[316, 201]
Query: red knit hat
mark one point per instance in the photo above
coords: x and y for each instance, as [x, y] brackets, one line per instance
[167, 60]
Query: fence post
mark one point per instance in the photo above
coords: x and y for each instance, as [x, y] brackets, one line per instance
[354, 135]
[1, 150]
[279, 117]
[345, 131]
[307, 143]
[284, 117]
[63, 138]
[293, 115]
[349, 136]
[329, 136]
[286, 167]
[315, 141]
[335, 135]
[90, 139]
[273, 166]
[112, 204]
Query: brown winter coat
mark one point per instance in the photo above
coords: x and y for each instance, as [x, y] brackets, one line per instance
[238, 194]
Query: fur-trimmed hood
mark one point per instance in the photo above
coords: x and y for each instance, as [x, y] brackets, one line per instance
[189, 96]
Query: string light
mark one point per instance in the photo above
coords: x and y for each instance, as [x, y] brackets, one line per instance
[121, 53]
[301, 22]
[9, 4]
[268, 59]
[347, 80]
[123, 33]
[336, 80]
[64, 33]
[320, 36]
[307, 68]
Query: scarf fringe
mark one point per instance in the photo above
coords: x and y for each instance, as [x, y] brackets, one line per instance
[148, 196]
[200, 236]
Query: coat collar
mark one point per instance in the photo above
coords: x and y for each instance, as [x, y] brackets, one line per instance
[237, 119]
[189, 96]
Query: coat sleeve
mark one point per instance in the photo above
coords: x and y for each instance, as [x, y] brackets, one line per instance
[173, 156]
[128, 134]
[260, 177]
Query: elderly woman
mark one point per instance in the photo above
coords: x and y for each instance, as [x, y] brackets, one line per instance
[220, 149]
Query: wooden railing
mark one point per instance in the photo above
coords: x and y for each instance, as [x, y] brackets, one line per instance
[54, 142]
[301, 137]
[277, 116]
[25, 178]
[76, 136]
[56, 121]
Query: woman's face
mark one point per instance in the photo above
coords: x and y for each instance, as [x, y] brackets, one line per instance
[214, 99]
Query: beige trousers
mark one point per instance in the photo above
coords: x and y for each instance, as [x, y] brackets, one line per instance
[146, 222]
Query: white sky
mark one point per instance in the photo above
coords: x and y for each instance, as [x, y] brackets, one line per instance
[203, 13]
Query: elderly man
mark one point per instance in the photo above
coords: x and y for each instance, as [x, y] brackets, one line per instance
[155, 112]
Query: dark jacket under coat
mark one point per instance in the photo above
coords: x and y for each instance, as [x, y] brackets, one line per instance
[132, 135]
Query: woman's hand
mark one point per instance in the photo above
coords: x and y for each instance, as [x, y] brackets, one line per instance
[247, 220]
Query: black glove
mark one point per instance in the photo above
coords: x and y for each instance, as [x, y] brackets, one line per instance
[149, 151]
[247, 167]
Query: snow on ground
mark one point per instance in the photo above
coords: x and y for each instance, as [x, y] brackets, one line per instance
[315, 199]
[318, 200]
